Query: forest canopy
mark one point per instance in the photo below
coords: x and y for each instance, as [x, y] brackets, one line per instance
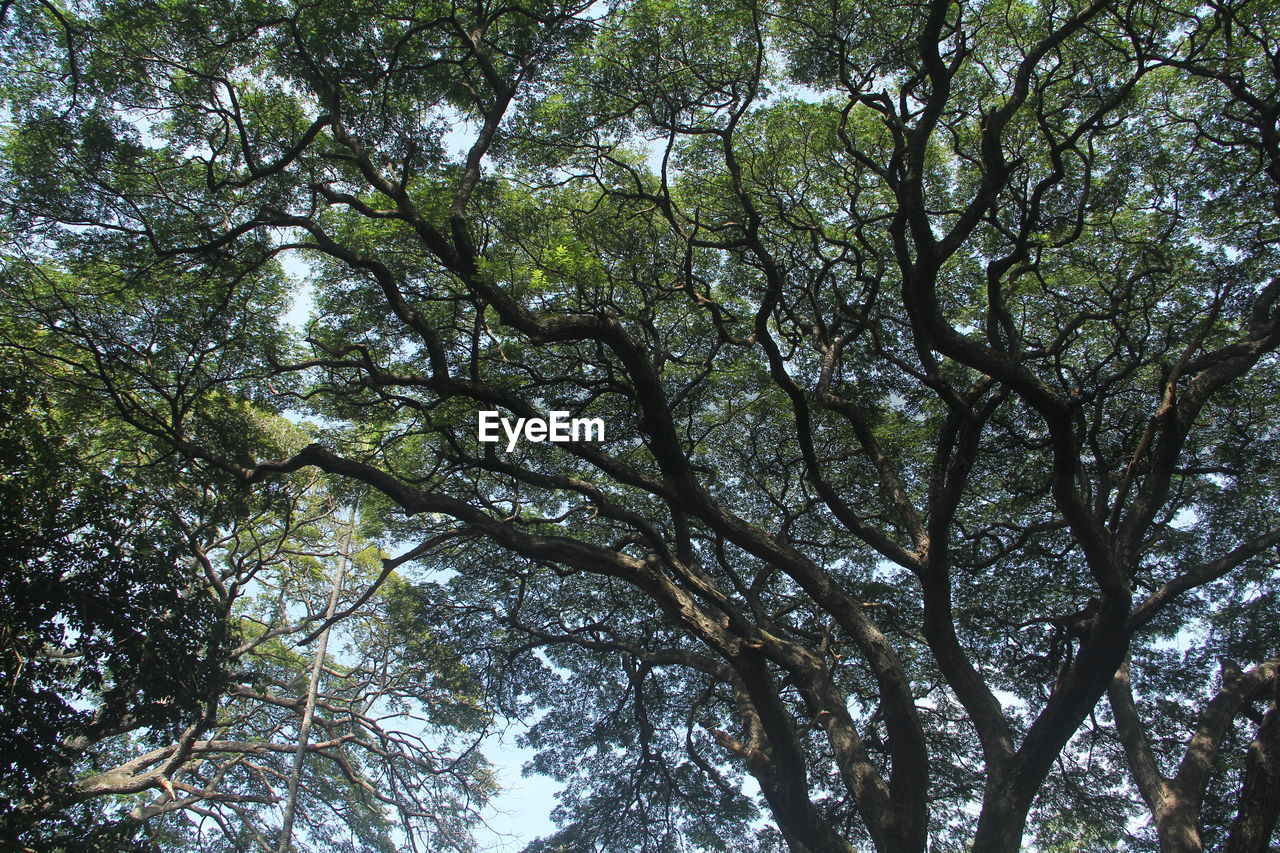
[937, 505]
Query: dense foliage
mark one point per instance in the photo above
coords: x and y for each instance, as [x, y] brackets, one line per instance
[934, 343]
[158, 651]
[93, 601]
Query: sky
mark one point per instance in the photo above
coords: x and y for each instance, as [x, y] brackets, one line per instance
[521, 812]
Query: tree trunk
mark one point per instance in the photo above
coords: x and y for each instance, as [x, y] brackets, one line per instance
[313, 690]
[1260, 798]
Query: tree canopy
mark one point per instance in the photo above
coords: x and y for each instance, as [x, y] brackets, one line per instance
[163, 690]
[934, 344]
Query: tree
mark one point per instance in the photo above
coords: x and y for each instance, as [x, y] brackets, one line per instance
[95, 604]
[158, 633]
[934, 343]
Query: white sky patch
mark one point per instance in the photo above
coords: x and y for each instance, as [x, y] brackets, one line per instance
[521, 811]
[302, 290]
